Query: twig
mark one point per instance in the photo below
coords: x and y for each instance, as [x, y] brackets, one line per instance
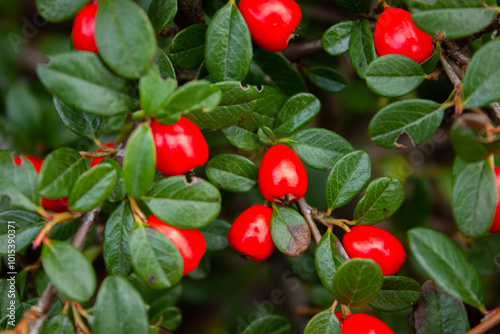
[495, 106]
[307, 212]
[490, 320]
[306, 49]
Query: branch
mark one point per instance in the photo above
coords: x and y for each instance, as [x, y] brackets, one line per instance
[306, 49]
[490, 320]
[307, 212]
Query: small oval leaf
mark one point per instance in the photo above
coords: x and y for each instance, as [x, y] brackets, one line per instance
[232, 172]
[289, 231]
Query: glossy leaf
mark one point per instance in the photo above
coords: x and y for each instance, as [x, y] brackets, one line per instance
[228, 50]
[26, 226]
[335, 40]
[60, 324]
[398, 293]
[182, 204]
[297, 112]
[92, 188]
[474, 199]
[164, 65]
[348, 177]
[446, 264]
[266, 136]
[139, 162]
[155, 258]
[319, 148]
[289, 231]
[119, 191]
[124, 37]
[325, 322]
[429, 65]
[269, 324]
[60, 170]
[327, 79]
[59, 10]
[484, 254]
[69, 270]
[215, 234]
[482, 78]
[242, 138]
[232, 172]
[382, 198]
[81, 123]
[119, 308]
[419, 119]
[161, 12]
[154, 91]
[361, 48]
[188, 47]
[82, 81]
[328, 258]
[357, 282]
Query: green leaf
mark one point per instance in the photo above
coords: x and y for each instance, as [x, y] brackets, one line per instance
[383, 197]
[119, 192]
[154, 91]
[115, 247]
[484, 254]
[328, 258]
[419, 119]
[474, 199]
[357, 282]
[161, 12]
[269, 324]
[282, 72]
[18, 183]
[482, 78]
[81, 123]
[361, 48]
[164, 65]
[430, 64]
[394, 75]
[60, 324]
[327, 79]
[355, 6]
[266, 136]
[92, 188]
[25, 225]
[119, 308]
[171, 318]
[335, 40]
[139, 161]
[325, 322]
[182, 204]
[228, 50]
[59, 10]
[237, 103]
[437, 312]
[215, 234]
[155, 258]
[69, 270]
[319, 148]
[60, 170]
[23, 111]
[232, 172]
[242, 138]
[398, 293]
[124, 37]
[445, 263]
[82, 82]
[297, 112]
[348, 177]
[289, 231]
[188, 47]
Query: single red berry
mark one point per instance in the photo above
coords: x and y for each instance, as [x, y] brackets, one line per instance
[282, 176]
[97, 160]
[495, 227]
[370, 242]
[250, 233]
[84, 29]
[190, 243]
[360, 323]
[180, 147]
[271, 22]
[395, 33]
[338, 314]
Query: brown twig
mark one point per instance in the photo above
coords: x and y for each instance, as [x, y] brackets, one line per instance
[306, 49]
[307, 213]
[489, 321]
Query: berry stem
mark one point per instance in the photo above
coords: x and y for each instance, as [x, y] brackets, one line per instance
[80, 325]
[57, 219]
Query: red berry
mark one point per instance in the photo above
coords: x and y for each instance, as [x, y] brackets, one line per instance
[282, 176]
[395, 33]
[370, 242]
[271, 22]
[97, 160]
[495, 227]
[338, 314]
[37, 163]
[190, 243]
[360, 323]
[250, 234]
[84, 29]
[180, 147]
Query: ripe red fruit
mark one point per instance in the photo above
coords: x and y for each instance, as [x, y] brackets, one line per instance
[250, 233]
[360, 323]
[180, 147]
[282, 176]
[55, 205]
[84, 29]
[271, 22]
[495, 227]
[395, 33]
[190, 243]
[97, 160]
[370, 242]
[338, 314]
